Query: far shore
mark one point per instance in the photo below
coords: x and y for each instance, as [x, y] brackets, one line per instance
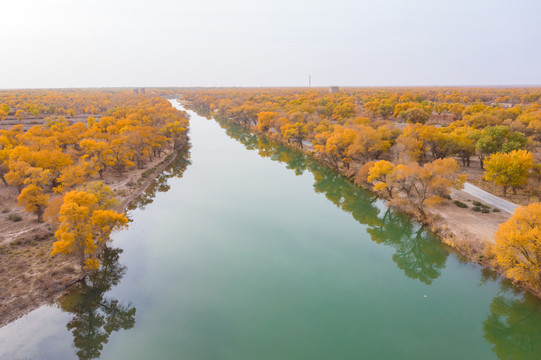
[470, 234]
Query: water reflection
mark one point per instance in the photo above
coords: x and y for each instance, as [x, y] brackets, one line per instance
[174, 170]
[416, 254]
[95, 316]
[416, 251]
[513, 322]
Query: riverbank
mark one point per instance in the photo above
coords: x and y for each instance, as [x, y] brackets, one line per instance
[29, 276]
[467, 232]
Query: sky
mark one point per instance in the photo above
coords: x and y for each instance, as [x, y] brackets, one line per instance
[118, 43]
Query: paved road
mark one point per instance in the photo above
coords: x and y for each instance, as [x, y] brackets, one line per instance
[489, 198]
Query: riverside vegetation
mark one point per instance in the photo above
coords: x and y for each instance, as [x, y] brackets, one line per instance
[213, 254]
[407, 144]
[65, 156]
[68, 160]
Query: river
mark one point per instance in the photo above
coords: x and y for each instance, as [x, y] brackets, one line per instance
[254, 251]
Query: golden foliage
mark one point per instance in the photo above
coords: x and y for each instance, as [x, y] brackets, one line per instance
[518, 245]
[84, 227]
[34, 200]
[509, 169]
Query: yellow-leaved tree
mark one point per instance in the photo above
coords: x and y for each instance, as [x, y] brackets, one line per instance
[426, 185]
[378, 175]
[84, 227]
[34, 200]
[510, 169]
[295, 132]
[265, 120]
[518, 245]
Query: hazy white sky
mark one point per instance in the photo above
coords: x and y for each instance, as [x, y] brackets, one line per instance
[89, 43]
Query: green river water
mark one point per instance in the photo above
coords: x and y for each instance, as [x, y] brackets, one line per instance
[254, 251]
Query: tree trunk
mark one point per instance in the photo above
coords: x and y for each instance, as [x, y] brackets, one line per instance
[504, 191]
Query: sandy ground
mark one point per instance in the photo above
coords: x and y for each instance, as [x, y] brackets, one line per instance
[465, 222]
[29, 276]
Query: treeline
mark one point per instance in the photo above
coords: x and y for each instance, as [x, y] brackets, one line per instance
[347, 130]
[405, 144]
[56, 166]
[69, 102]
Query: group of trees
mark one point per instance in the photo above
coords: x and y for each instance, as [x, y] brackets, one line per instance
[52, 164]
[69, 102]
[355, 126]
[415, 252]
[406, 143]
[422, 185]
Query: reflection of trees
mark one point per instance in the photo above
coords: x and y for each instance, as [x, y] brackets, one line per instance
[417, 254]
[513, 326]
[276, 151]
[95, 317]
[174, 170]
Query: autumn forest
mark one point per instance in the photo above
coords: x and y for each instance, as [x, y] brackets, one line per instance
[78, 168]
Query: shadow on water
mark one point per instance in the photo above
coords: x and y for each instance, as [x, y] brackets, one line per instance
[513, 323]
[174, 170]
[417, 253]
[96, 316]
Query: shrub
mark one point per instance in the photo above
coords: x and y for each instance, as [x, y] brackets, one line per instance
[446, 196]
[6, 210]
[477, 203]
[476, 208]
[14, 218]
[496, 210]
[147, 173]
[485, 210]
[460, 204]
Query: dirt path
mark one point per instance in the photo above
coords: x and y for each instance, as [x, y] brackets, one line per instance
[490, 199]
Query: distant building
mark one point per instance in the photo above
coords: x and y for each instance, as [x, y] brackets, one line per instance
[334, 89]
[139, 91]
[136, 91]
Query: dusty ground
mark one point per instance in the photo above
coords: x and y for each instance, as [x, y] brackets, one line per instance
[29, 276]
[465, 223]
